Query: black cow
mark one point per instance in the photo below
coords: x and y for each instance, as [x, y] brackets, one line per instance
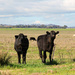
[46, 43]
[21, 45]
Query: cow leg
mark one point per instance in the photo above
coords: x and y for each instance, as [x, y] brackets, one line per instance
[24, 58]
[53, 52]
[44, 60]
[50, 56]
[40, 53]
[19, 58]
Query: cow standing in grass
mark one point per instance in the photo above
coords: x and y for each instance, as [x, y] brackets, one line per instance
[46, 43]
[21, 45]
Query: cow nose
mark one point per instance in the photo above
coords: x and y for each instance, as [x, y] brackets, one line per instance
[52, 35]
[19, 43]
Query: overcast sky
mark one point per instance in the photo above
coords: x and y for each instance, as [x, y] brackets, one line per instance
[59, 12]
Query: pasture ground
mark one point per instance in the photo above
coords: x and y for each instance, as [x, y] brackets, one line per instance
[64, 57]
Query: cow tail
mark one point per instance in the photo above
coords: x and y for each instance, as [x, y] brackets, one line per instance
[34, 39]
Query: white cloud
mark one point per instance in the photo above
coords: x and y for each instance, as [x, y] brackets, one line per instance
[1, 9]
[36, 8]
[37, 22]
[69, 5]
[49, 10]
[6, 15]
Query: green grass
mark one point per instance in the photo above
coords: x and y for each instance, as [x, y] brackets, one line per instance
[69, 29]
[62, 69]
[64, 57]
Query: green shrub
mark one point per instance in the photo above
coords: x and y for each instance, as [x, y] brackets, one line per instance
[4, 58]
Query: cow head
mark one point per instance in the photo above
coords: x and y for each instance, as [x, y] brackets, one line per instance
[52, 34]
[20, 38]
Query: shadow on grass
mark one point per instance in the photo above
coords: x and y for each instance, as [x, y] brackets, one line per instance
[73, 60]
[17, 65]
[38, 64]
[52, 63]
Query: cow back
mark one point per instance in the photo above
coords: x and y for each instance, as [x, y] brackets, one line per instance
[44, 42]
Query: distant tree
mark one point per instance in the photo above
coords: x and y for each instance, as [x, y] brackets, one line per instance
[65, 26]
[32, 26]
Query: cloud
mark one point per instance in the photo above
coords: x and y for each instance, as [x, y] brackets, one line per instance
[6, 15]
[36, 8]
[69, 6]
[37, 22]
[50, 11]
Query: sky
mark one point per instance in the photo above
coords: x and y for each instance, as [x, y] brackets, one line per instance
[59, 12]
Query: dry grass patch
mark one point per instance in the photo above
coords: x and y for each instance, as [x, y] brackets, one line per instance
[4, 58]
[5, 72]
[64, 52]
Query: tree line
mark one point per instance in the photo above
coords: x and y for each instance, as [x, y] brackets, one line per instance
[32, 26]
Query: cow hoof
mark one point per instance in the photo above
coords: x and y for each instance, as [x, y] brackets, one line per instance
[44, 61]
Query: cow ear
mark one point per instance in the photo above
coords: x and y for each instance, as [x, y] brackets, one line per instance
[25, 36]
[47, 32]
[57, 32]
[16, 36]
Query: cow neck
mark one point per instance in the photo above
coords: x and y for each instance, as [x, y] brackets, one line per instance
[52, 40]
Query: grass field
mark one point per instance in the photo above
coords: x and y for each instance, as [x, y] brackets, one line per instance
[64, 57]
